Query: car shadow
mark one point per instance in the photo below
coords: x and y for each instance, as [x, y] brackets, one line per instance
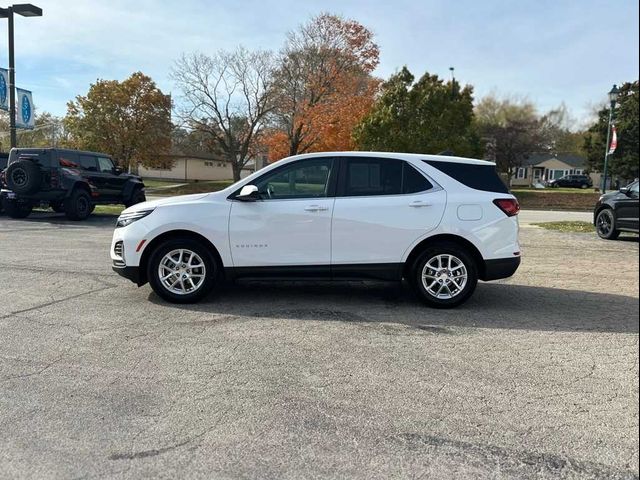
[52, 218]
[494, 305]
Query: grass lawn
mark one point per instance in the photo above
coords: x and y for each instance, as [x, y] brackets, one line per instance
[556, 199]
[148, 183]
[571, 227]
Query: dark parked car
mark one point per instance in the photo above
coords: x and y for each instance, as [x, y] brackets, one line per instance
[69, 181]
[617, 212]
[572, 181]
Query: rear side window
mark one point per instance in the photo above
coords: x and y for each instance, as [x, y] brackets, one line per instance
[478, 177]
[373, 176]
[382, 176]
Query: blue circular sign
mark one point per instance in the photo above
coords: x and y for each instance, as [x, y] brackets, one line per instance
[26, 109]
[3, 90]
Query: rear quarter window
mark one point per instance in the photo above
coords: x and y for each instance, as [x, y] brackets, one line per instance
[478, 177]
[40, 157]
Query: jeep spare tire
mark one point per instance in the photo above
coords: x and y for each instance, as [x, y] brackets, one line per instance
[23, 177]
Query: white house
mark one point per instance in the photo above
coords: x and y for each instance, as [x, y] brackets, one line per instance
[187, 168]
[541, 167]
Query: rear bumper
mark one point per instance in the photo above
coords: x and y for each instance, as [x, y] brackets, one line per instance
[500, 268]
[130, 273]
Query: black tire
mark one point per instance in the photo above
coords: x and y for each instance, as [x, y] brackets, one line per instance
[23, 177]
[57, 207]
[78, 205]
[16, 209]
[137, 196]
[458, 293]
[606, 225]
[584, 186]
[211, 271]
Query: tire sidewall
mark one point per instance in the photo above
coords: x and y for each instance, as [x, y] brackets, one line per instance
[16, 210]
[211, 264]
[613, 233]
[439, 249]
[78, 198]
[31, 172]
[137, 196]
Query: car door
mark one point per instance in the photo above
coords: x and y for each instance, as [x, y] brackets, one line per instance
[90, 171]
[382, 207]
[627, 208]
[114, 184]
[290, 226]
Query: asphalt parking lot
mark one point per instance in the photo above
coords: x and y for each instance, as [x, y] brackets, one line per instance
[535, 377]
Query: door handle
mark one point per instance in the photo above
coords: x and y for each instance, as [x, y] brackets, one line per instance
[418, 204]
[315, 208]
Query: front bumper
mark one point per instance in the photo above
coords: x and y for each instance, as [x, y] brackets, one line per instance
[131, 273]
[500, 268]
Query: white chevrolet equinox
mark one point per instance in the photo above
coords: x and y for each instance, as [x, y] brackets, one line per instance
[442, 223]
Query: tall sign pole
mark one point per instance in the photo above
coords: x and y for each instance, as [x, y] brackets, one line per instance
[12, 81]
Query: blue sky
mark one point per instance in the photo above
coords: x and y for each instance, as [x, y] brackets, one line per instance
[547, 51]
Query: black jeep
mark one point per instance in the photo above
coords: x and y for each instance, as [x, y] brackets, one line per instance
[69, 181]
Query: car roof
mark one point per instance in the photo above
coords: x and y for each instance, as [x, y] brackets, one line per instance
[397, 155]
[51, 149]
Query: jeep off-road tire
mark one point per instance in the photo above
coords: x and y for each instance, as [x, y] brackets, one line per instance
[57, 207]
[23, 177]
[16, 209]
[78, 205]
[137, 196]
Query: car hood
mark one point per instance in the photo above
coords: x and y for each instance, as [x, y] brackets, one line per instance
[609, 195]
[180, 199]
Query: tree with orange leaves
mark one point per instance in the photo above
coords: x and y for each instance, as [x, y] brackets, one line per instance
[323, 86]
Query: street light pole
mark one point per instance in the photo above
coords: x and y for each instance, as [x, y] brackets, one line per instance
[613, 97]
[12, 81]
[26, 10]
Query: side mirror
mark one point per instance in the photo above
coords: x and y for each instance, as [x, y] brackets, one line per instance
[626, 191]
[249, 193]
[117, 170]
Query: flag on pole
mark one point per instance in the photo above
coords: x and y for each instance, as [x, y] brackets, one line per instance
[4, 89]
[614, 140]
[25, 116]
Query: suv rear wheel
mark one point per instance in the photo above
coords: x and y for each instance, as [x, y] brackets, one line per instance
[78, 205]
[182, 270]
[16, 209]
[445, 275]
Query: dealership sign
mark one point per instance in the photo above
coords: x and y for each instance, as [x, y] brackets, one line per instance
[4, 89]
[25, 116]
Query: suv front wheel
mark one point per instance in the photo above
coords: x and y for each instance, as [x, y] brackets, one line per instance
[79, 205]
[445, 275]
[182, 271]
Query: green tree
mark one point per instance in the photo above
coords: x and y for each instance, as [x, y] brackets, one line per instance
[623, 163]
[511, 130]
[427, 116]
[130, 120]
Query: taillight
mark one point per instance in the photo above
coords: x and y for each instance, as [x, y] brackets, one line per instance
[509, 206]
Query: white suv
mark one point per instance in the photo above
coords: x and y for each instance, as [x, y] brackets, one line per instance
[442, 223]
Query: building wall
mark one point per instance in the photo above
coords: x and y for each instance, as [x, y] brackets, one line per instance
[189, 169]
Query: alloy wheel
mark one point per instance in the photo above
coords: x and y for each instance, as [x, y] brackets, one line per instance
[444, 276]
[181, 271]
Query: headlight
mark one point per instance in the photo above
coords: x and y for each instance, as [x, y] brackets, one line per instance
[128, 218]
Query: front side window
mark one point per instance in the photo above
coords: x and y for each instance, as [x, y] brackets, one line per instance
[634, 189]
[106, 165]
[88, 163]
[303, 179]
